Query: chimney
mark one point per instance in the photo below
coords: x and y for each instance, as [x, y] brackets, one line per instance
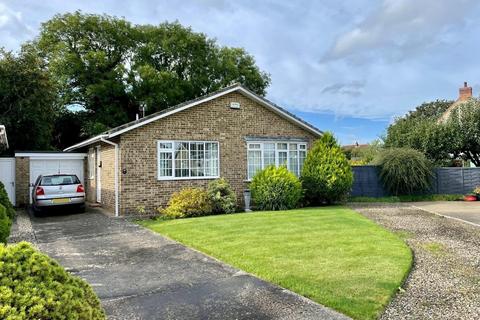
[465, 92]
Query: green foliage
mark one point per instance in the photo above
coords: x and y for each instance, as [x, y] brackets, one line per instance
[404, 171]
[276, 188]
[33, 286]
[222, 196]
[5, 201]
[464, 126]
[110, 67]
[188, 202]
[5, 224]
[326, 174]
[27, 98]
[441, 141]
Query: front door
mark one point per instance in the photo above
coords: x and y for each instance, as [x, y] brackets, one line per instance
[98, 182]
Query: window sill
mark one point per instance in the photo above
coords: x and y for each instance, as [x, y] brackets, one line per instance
[186, 178]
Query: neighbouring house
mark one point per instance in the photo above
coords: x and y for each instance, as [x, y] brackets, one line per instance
[230, 133]
[465, 93]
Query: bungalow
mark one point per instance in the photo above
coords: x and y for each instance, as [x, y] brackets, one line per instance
[230, 133]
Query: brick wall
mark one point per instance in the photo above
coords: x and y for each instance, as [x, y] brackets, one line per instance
[90, 183]
[212, 120]
[108, 176]
[22, 180]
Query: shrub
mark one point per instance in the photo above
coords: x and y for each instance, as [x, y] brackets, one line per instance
[326, 175]
[6, 202]
[276, 188]
[33, 286]
[188, 202]
[404, 171]
[5, 224]
[222, 197]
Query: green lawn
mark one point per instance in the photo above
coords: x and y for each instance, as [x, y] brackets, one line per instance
[331, 255]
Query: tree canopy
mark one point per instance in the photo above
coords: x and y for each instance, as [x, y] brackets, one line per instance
[27, 100]
[110, 68]
[441, 141]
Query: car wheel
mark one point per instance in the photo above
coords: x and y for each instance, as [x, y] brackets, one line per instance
[81, 209]
[37, 212]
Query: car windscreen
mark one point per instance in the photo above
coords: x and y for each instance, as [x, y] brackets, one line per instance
[59, 180]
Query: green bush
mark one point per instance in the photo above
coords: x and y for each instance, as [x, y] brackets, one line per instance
[33, 286]
[6, 202]
[326, 175]
[188, 202]
[222, 196]
[404, 171]
[276, 188]
[5, 224]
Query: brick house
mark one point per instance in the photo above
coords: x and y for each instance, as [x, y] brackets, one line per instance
[230, 133]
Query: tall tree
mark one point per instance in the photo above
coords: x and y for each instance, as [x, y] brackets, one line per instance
[110, 67]
[27, 100]
[418, 129]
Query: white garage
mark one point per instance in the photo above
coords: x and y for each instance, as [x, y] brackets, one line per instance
[46, 163]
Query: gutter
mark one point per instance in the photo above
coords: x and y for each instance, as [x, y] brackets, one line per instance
[86, 142]
[102, 139]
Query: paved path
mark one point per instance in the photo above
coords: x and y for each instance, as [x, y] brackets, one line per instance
[141, 275]
[460, 210]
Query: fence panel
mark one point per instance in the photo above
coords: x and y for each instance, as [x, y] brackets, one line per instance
[453, 180]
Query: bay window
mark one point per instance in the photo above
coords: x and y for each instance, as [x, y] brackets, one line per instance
[187, 160]
[262, 154]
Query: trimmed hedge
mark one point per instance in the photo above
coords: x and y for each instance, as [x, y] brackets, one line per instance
[327, 176]
[33, 286]
[222, 196]
[188, 202]
[5, 224]
[276, 188]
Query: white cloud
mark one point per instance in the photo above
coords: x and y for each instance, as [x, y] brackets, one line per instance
[12, 27]
[401, 27]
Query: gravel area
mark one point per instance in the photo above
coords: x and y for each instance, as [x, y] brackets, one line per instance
[22, 228]
[445, 279]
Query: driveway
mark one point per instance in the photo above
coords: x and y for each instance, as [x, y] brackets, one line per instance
[460, 210]
[141, 275]
[444, 281]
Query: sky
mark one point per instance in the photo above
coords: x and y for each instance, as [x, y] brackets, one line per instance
[350, 67]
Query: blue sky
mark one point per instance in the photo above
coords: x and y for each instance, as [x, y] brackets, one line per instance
[345, 66]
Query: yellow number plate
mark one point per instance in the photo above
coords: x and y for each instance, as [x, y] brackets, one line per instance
[61, 200]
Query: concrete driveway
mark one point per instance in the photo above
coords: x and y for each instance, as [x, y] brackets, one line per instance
[141, 275]
[465, 211]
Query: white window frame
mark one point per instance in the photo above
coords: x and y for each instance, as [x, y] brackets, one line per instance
[277, 151]
[172, 150]
[91, 164]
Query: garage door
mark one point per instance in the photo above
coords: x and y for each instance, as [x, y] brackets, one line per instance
[7, 176]
[55, 166]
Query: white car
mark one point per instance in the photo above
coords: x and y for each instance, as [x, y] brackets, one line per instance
[59, 190]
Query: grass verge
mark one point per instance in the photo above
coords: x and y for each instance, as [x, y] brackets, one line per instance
[331, 255]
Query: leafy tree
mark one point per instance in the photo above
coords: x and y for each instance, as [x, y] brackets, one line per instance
[463, 128]
[27, 100]
[110, 67]
[326, 174]
[441, 141]
[419, 129]
[87, 56]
